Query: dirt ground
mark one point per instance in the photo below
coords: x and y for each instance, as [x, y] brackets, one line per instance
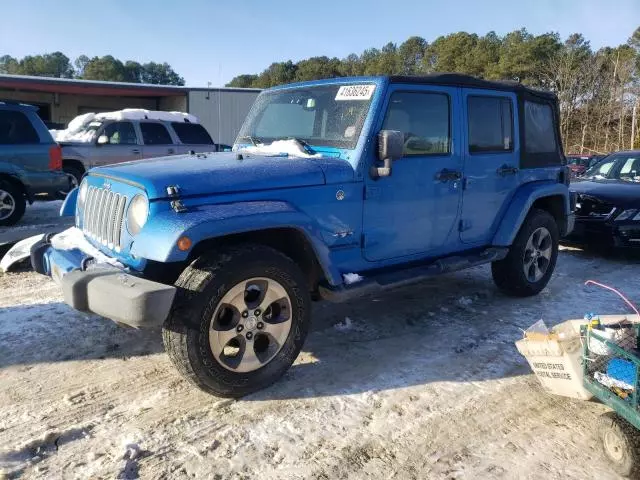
[423, 382]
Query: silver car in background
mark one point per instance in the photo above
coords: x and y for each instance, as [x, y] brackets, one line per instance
[104, 141]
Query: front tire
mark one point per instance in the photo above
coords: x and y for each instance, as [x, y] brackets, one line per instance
[12, 204]
[239, 320]
[532, 257]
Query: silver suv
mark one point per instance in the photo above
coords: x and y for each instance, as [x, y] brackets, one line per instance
[106, 141]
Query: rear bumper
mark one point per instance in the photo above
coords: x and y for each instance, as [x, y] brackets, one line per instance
[104, 290]
[46, 182]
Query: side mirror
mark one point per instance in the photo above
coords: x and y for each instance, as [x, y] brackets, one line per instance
[390, 148]
[102, 140]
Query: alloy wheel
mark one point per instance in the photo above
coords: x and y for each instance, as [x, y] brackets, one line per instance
[537, 254]
[7, 204]
[250, 324]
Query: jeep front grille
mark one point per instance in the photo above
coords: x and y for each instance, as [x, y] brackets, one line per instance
[103, 216]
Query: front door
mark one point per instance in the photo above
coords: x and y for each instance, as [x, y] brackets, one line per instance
[122, 145]
[415, 210]
[491, 152]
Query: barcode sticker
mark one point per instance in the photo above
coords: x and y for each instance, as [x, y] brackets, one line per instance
[355, 92]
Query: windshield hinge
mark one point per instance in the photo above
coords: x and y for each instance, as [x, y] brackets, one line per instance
[173, 191]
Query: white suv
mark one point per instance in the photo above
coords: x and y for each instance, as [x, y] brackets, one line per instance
[105, 138]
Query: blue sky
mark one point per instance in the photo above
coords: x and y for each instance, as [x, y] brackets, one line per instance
[212, 41]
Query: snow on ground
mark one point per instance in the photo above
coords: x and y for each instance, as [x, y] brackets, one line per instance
[422, 382]
[41, 217]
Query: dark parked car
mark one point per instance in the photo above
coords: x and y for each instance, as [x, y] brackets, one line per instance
[30, 161]
[608, 202]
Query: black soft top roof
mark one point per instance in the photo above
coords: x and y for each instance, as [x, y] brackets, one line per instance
[460, 80]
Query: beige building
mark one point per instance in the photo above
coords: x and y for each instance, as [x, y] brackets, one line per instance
[221, 110]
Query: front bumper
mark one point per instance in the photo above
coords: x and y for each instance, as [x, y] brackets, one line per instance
[104, 290]
[607, 234]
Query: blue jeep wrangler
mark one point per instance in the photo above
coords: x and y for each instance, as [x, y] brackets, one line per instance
[334, 189]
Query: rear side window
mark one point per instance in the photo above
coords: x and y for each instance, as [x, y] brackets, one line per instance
[424, 120]
[539, 130]
[192, 133]
[490, 124]
[16, 129]
[155, 134]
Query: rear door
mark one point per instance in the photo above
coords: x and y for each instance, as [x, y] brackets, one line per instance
[192, 136]
[157, 140]
[491, 161]
[123, 144]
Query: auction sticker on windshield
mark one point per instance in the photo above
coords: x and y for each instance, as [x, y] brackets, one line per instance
[355, 92]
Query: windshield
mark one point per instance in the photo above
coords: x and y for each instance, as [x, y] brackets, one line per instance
[622, 166]
[86, 133]
[330, 116]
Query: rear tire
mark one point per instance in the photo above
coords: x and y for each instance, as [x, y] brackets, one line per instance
[532, 257]
[12, 203]
[209, 317]
[76, 172]
[620, 443]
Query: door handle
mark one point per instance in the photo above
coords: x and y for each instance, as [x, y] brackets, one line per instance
[446, 175]
[135, 150]
[171, 150]
[505, 170]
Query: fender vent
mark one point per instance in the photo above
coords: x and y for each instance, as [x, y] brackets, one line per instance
[103, 217]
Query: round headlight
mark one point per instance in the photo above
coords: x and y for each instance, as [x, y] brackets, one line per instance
[82, 194]
[137, 214]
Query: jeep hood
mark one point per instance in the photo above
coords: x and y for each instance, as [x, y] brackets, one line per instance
[214, 173]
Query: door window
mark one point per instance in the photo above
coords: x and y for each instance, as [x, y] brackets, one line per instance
[424, 120]
[121, 133]
[490, 124]
[16, 129]
[192, 133]
[539, 128]
[155, 134]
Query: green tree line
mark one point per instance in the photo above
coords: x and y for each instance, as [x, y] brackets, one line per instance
[107, 68]
[598, 90]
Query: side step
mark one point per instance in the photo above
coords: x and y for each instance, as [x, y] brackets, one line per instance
[398, 277]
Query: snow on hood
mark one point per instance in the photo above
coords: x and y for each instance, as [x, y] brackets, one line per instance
[291, 148]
